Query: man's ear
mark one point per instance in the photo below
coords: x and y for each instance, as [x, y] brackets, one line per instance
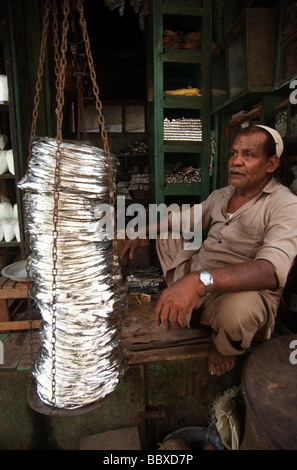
[273, 163]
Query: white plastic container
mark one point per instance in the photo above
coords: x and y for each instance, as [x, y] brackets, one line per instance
[6, 210]
[9, 233]
[3, 162]
[3, 88]
[3, 141]
[10, 162]
[17, 230]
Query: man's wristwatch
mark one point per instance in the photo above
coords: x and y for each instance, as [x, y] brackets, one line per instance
[207, 280]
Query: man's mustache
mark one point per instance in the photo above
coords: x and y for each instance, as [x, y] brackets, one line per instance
[235, 170]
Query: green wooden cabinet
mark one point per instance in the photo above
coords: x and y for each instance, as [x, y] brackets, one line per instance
[179, 125]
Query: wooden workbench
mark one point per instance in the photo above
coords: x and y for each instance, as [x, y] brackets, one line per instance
[145, 342]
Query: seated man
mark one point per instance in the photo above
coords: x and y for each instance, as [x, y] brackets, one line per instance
[237, 276]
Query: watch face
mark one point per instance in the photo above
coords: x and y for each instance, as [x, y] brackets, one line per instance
[207, 280]
[206, 277]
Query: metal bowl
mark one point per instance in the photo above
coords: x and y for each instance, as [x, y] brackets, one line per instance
[16, 271]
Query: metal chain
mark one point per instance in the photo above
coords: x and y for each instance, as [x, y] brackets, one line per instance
[60, 82]
[56, 47]
[83, 24]
[33, 132]
[117, 269]
[40, 73]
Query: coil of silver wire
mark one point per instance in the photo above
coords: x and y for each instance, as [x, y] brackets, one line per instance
[90, 294]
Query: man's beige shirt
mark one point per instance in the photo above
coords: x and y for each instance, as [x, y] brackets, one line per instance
[263, 228]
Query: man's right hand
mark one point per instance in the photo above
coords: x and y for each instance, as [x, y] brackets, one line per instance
[130, 247]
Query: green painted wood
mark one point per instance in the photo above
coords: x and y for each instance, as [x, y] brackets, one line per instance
[201, 19]
[206, 98]
[180, 189]
[182, 8]
[190, 102]
[158, 88]
[182, 56]
[185, 147]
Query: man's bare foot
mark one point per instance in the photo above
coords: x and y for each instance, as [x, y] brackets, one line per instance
[219, 364]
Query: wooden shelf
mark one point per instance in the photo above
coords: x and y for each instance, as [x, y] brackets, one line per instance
[4, 106]
[189, 102]
[243, 100]
[182, 189]
[7, 176]
[182, 147]
[10, 244]
[182, 8]
[173, 69]
[182, 56]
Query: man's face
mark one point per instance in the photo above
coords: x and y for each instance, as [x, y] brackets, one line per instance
[248, 166]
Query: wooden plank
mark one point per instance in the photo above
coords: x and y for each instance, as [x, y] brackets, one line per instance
[4, 311]
[192, 102]
[12, 293]
[182, 56]
[21, 285]
[19, 325]
[169, 354]
[143, 341]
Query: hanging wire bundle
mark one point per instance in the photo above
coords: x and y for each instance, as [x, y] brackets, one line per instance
[72, 259]
[87, 351]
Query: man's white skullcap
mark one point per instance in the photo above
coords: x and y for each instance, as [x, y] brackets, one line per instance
[276, 137]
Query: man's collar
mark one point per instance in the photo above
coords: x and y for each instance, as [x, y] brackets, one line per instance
[269, 188]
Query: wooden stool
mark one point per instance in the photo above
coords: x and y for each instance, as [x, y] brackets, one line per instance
[10, 289]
